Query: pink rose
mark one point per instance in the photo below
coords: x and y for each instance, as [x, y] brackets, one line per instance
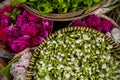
[20, 43]
[29, 29]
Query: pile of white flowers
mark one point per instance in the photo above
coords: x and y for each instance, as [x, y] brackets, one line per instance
[77, 55]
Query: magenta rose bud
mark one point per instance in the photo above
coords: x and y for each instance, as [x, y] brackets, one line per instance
[79, 23]
[36, 41]
[20, 43]
[108, 26]
[93, 21]
[29, 29]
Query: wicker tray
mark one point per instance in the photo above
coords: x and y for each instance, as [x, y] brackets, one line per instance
[65, 31]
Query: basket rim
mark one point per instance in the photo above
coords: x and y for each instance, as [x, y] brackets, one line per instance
[65, 30]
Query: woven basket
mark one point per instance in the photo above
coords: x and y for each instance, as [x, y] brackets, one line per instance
[63, 17]
[69, 29]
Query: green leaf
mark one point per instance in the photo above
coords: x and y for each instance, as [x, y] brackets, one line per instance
[63, 5]
[18, 12]
[6, 71]
[13, 17]
[96, 1]
[1, 67]
[14, 11]
[17, 1]
[88, 3]
[14, 14]
[60, 1]
[33, 0]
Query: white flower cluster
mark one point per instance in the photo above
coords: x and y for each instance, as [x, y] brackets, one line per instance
[115, 34]
[76, 56]
[18, 69]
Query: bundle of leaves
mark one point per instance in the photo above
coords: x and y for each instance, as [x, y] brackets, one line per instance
[58, 6]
